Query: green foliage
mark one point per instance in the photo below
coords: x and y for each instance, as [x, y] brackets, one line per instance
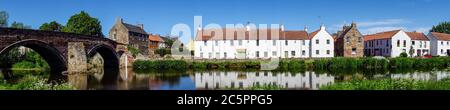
[134, 51]
[4, 19]
[160, 65]
[401, 63]
[403, 54]
[443, 27]
[163, 51]
[23, 64]
[390, 84]
[19, 25]
[84, 24]
[52, 26]
[34, 83]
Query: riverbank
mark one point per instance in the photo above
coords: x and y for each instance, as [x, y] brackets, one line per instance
[33, 83]
[390, 84]
[331, 64]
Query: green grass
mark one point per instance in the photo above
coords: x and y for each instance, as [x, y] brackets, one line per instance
[390, 84]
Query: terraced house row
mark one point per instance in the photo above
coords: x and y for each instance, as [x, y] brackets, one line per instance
[246, 43]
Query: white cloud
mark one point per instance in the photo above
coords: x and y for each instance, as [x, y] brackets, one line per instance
[382, 22]
[374, 30]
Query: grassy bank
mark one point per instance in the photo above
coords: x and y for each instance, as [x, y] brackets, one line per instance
[33, 83]
[331, 64]
[390, 84]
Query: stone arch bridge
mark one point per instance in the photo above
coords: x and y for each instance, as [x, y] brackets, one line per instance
[64, 52]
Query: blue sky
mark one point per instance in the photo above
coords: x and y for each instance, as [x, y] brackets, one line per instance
[158, 16]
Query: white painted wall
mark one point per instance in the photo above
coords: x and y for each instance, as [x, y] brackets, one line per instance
[323, 36]
[405, 44]
[438, 47]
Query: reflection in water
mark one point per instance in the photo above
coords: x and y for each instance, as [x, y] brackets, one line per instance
[221, 80]
[127, 79]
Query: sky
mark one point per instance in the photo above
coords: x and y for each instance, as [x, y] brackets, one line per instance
[159, 16]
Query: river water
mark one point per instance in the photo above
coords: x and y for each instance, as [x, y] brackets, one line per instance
[127, 79]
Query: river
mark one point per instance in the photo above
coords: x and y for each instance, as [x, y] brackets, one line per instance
[127, 79]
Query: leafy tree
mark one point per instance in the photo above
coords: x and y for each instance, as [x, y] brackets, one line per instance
[443, 27]
[52, 26]
[19, 25]
[4, 19]
[82, 23]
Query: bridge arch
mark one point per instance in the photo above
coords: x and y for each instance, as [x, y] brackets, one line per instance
[54, 58]
[110, 61]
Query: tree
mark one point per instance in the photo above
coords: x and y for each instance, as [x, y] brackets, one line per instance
[443, 27]
[4, 19]
[52, 26]
[84, 24]
[19, 25]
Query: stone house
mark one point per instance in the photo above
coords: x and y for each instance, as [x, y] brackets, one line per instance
[349, 42]
[130, 35]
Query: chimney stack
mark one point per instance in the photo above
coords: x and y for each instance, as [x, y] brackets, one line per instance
[306, 28]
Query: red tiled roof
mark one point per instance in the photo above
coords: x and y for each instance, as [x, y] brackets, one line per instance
[313, 34]
[155, 38]
[382, 35]
[242, 34]
[441, 36]
[417, 36]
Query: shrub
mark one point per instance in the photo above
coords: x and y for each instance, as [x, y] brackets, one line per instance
[403, 54]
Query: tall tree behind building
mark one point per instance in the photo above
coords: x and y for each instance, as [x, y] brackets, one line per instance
[52, 26]
[4, 19]
[84, 24]
[443, 27]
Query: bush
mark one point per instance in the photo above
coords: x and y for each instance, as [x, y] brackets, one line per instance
[160, 65]
[403, 54]
[23, 64]
[35, 83]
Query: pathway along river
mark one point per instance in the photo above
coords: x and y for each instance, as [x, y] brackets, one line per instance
[211, 80]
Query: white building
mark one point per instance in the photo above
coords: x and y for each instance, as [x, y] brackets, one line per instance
[440, 44]
[388, 44]
[420, 44]
[322, 44]
[245, 43]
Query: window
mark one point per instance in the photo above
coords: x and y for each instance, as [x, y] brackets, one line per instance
[347, 39]
[217, 43]
[328, 41]
[240, 42]
[448, 43]
[303, 52]
[303, 42]
[359, 39]
[387, 43]
[413, 43]
[328, 52]
[442, 51]
[421, 44]
[286, 42]
[353, 51]
[398, 43]
[317, 52]
[201, 54]
[404, 43]
[292, 53]
[257, 42]
[274, 42]
[231, 42]
[442, 42]
[225, 54]
[274, 53]
[257, 54]
[317, 41]
[205, 42]
[209, 55]
[266, 54]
